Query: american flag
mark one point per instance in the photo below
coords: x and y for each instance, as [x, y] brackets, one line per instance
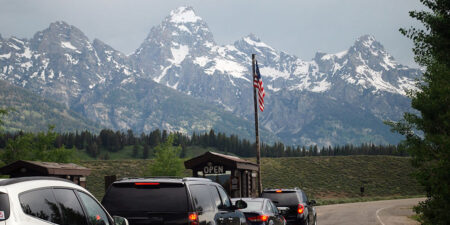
[257, 83]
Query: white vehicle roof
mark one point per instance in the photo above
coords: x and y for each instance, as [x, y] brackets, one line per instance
[18, 185]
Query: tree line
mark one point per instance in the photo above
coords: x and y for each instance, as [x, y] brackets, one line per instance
[143, 144]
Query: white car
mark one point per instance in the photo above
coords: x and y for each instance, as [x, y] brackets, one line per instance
[49, 200]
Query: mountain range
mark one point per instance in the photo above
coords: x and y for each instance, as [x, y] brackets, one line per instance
[180, 79]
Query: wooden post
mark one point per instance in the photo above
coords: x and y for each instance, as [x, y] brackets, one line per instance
[109, 180]
[258, 152]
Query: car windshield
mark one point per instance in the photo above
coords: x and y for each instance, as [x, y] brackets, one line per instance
[153, 198]
[283, 198]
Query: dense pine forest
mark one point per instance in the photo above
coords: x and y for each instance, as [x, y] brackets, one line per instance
[143, 144]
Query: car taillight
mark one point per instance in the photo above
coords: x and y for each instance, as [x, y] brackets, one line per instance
[278, 191]
[193, 218]
[145, 183]
[301, 208]
[260, 218]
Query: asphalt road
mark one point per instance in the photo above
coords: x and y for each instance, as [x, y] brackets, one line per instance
[388, 212]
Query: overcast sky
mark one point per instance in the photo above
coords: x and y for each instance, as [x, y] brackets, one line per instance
[299, 27]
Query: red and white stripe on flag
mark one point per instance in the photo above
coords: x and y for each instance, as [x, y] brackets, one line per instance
[257, 83]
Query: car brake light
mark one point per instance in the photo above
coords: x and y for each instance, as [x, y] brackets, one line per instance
[278, 191]
[142, 184]
[300, 209]
[193, 218]
[260, 218]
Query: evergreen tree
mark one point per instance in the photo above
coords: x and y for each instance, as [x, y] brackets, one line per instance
[145, 151]
[135, 151]
[92, 149]
[38, 146]
[183, 151]
[3, 112]
[428, 132]
[167, 160]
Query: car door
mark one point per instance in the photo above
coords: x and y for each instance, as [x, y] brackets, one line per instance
[203, 203]
[309, 207]
[278, 219]
[71, 209]
[230, 215]
[222, 216]
[95, 213]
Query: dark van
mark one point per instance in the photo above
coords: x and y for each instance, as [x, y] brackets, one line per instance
[187, 201]
[294, 204]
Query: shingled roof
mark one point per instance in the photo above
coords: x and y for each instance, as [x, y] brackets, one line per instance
[229, 160]
[46, 168]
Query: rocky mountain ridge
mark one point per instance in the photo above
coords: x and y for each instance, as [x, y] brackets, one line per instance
[332, 99]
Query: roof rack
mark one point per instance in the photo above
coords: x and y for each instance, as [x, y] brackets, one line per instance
[150, 177]
[24, 179]
[196, 179]
[166, 177]
[294, 188]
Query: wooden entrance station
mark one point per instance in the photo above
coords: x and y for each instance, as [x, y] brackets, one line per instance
[236, 175]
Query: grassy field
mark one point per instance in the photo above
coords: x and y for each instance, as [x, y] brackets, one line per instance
[327, 179]
[342, 176]
[127, 153]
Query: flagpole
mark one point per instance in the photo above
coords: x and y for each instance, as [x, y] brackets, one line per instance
[258, 152]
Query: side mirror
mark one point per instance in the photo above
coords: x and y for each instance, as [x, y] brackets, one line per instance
[120, 220]
[312, 202]
[240, 204]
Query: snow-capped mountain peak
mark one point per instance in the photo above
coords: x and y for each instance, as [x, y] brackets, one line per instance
[368, 47]
[253, 40]
[184, 14]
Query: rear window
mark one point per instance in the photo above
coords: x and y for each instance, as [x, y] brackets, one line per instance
[163, 197]
[253, 206]
[283, 198]
[4, 206]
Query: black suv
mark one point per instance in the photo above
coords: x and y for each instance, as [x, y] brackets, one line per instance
[187, 201]
[293, 204]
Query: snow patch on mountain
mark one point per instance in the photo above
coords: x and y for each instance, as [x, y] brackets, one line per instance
[258, 44]
[334, 56]
[274, 73]
[6, 56]
[374, 79]
[202, 61]
[226, 66]
[179, 54]
[27, 65]
[26, 53]
[66, 44]
[301, 67]
[183, 15]
[321, 86]
[13, 46]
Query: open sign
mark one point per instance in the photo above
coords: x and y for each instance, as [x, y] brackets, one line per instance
[213, 169]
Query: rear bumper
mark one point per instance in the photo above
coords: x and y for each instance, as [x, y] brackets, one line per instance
[298, 220]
